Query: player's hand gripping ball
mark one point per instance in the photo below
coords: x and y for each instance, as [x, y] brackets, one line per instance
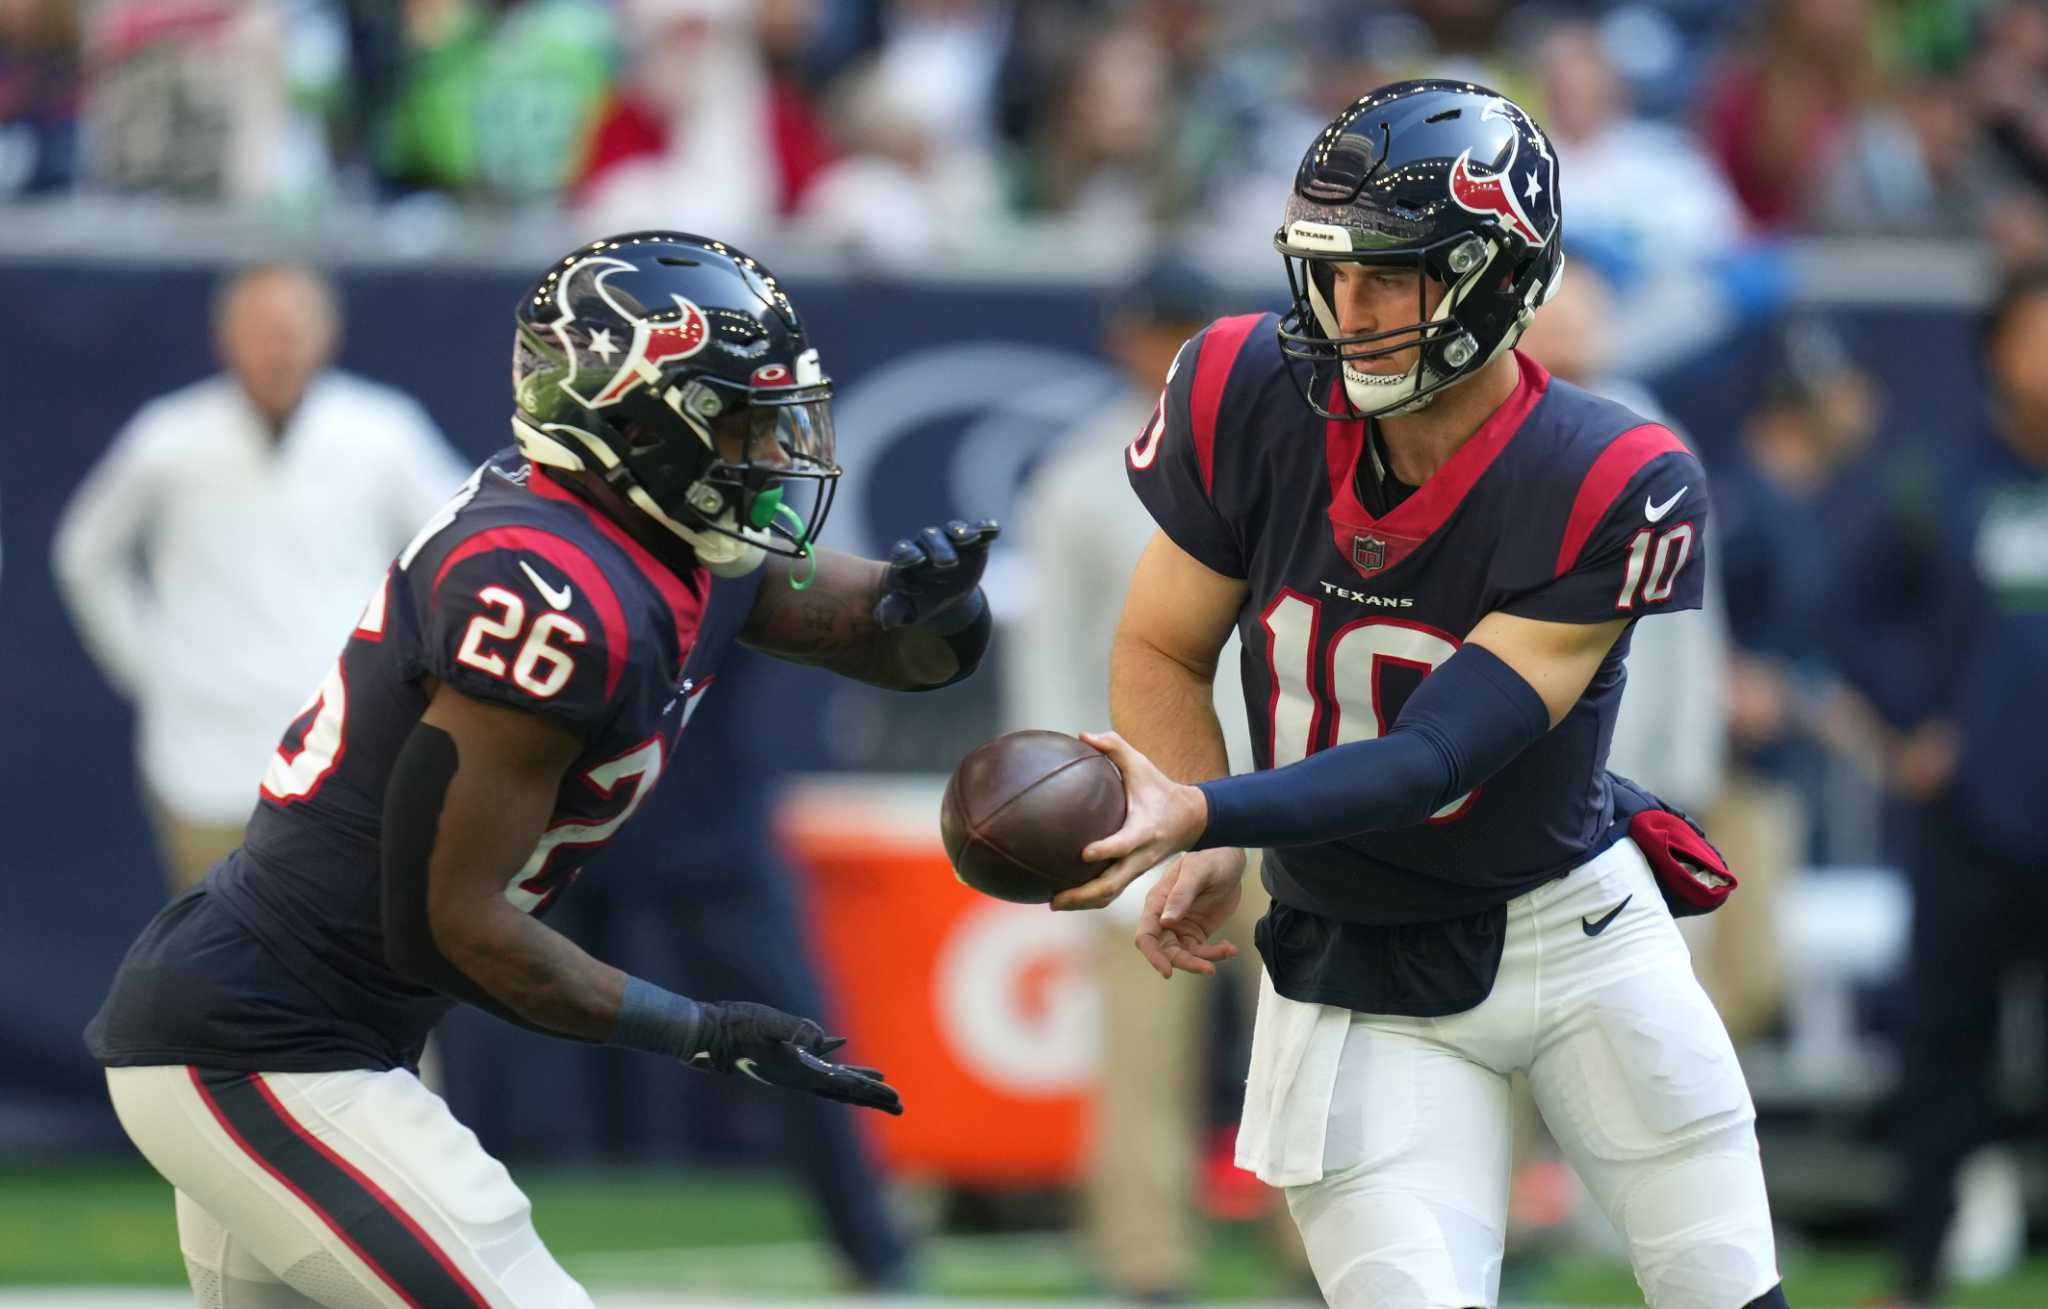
[1018, 811]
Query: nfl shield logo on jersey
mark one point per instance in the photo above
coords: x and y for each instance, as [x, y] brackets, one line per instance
[1368, 553]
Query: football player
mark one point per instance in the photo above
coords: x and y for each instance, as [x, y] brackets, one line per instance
[507, 700]
[1434, 552]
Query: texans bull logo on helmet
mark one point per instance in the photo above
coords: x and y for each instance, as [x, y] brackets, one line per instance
[1496, 193]
[656, 340]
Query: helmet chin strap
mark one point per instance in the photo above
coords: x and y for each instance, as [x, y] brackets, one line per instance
[722, 555]
[1375, 394]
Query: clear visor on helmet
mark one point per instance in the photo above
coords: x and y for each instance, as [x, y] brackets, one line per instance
[781, 454]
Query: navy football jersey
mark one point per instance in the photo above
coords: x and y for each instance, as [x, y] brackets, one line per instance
[1562, 506]
[516, 592]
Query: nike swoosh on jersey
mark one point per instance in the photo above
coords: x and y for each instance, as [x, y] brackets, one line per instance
[747, 1066]
[1653, 512]
[559, 599]
[1594, 928]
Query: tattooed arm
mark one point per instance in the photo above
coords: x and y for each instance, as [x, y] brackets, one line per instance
[468, 799]
[831, 624]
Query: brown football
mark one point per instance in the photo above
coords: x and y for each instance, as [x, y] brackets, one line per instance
[1018, 810]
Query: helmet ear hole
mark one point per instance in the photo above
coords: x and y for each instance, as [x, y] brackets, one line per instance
[640, 438]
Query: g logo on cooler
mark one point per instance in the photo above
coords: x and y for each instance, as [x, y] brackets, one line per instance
[1017, 1000]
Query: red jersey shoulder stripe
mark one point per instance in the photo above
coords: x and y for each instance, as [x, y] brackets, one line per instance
[1220, 347]
[1616, 467]
[685, 597]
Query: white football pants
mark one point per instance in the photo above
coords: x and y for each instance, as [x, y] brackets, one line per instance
[354, 1190]
[1391, 1134]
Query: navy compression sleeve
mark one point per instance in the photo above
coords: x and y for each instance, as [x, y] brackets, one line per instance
[1466, 722]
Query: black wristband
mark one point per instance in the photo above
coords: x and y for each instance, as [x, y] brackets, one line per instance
[659, 1022]
[965, 628]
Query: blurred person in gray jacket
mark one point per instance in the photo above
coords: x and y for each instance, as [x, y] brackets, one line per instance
[229, 538]
[1082, 530]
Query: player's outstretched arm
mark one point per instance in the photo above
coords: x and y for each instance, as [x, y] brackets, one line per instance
[468, 800]
[914, 622]
[1515, 679]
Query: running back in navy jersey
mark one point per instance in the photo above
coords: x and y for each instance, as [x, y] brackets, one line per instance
[1562, 507]
[516, 593]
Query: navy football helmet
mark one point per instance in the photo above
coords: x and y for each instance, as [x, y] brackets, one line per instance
[675, 366]
[1445, 177]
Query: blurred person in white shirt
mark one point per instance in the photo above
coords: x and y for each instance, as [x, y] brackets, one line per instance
[1651, 201]
[1618, 161]
[1082, 530]
[229, 537]
[903, 189]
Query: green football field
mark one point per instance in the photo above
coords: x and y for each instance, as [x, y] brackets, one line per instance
[702, 1238]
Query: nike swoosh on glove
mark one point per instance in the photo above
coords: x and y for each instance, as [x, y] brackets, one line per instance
[779, 1049]
[933, 570]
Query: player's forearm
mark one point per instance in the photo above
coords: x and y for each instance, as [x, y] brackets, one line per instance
[1467, 721]
[1166, 709]
[537, 973]
[451, 843]
[830, 624]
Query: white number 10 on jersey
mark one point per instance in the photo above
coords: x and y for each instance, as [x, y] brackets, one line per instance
[1350, 706]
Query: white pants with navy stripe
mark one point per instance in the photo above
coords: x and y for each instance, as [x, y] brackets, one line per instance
[352, 1190]
[1391, 1134]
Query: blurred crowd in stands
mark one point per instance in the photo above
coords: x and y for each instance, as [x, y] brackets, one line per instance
[903, 127]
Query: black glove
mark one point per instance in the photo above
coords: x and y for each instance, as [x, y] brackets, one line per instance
[781, 1049]
[932, 570]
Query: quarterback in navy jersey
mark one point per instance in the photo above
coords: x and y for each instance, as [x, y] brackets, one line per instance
[509, 697]
[1434, 553]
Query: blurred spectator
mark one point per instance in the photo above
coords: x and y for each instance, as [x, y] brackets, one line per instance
[1469, 41]
[1099, 157]
[1914, 165]
[1940, 619]
[697, 136]
[1082, 531]
[942, 57]
[899, 194]
[1639, 190]
[39, 89]
[1777, 113]
[160, 115]
[219, 552]
[2011, 81]
[1815, 419]
[494, 107]
[803, 145]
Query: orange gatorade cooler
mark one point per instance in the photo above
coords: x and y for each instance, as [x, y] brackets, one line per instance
[984, 1014]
